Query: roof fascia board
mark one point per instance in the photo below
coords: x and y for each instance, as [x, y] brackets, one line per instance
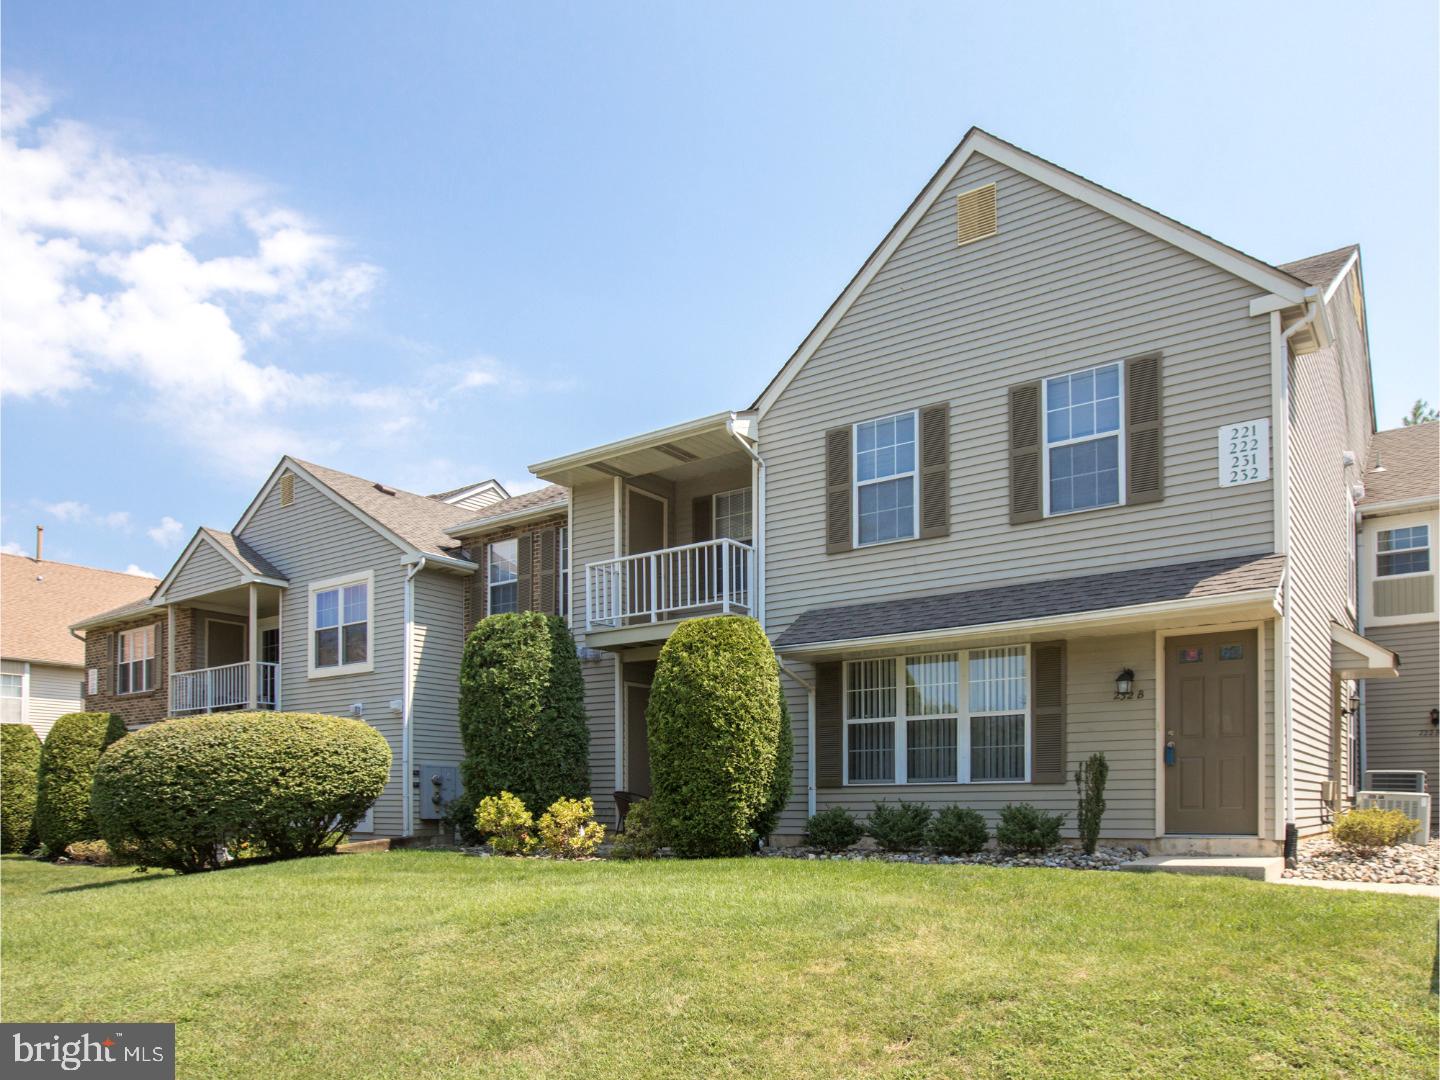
[1396, 506]
[515, 517]
[1378, 655]
[630, 445]
[1335, 284]
[445, 562]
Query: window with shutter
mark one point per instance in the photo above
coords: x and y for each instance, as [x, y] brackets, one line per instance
[1144, 431]
[545, 573]
[829, 725]
[885, 502]
[1084, 466]
[935, 471]
[1047, 748]
[837, 490]
[1025, 502]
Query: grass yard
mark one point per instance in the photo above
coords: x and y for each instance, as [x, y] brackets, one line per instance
[412, 964]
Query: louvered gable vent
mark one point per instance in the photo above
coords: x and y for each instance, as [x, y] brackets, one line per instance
[975, 214]
[287, 488]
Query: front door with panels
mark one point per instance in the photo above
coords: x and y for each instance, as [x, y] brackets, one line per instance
[637, 739]
[1211, 720]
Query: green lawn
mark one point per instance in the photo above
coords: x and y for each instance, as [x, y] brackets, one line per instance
[431, 964]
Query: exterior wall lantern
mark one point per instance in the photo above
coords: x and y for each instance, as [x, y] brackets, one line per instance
[1125, 685]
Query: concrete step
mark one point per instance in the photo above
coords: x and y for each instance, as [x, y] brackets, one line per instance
[1257, 868]
[358, 847]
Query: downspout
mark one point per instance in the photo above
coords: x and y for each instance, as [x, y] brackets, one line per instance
[407, 807]
[759, 468]
[809, 736]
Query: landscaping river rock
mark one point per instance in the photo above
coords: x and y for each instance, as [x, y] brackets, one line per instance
[1409, 864]
[1061, 858]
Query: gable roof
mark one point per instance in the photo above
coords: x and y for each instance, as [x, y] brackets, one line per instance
[1272, 279]
[465, 490]
[542, 501]
[247, 565]
[42, 599]
[243, 553]
[1410, 457]
[1324, 268]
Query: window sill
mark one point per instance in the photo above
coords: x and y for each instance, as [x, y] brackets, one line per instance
[1084, 510]
[135, 693]
[344, 669]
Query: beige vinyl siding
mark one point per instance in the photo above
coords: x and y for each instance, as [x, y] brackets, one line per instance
[593, 540]
[1061, 287]
[206, 571]
[312, 540]
[436, 647]
[793, 817]
[52, 691]
[1398, 732]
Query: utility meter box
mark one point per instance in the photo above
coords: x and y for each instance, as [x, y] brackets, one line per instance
[439, 786]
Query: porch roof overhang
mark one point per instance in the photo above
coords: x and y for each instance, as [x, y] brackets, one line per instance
[674, 452]
[1354, 656]
[1145, 598]
[247, 566]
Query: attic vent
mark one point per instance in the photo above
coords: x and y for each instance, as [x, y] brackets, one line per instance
[383, 489]
[975, 214]
[287, 488]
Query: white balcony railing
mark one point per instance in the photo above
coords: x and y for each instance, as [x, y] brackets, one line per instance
[227, 687]
[716, 575]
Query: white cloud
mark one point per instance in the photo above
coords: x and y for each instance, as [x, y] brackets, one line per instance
[73, 512]
[10, 547]
[69, 510]
[168, 533]
[138, 572]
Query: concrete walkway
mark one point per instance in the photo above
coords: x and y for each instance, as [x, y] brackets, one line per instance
[1395, 888]
[1257, 868]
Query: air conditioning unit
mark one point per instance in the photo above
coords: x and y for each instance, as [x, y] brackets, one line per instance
[1395, 780]
[1414, 804]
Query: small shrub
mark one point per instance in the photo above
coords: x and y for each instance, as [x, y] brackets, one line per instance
[67, 770]
[503, 820]
[19, 785]
[899, 826]
[1028, 828]
[957, 830]
[834, 829]
[99, 853]
[1372, 828]
[641, 838]
[568, 830]
[1090, 787]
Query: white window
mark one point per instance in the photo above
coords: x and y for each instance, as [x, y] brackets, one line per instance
[562, 568]
[732, 515]
[963, 717]
[341, 611]
[12, 699]
[504, 579]
[135, 660]
[1403, 551]
[885, 506]
[1084, 458]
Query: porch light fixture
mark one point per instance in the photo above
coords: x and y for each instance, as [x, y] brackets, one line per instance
[1125, 685]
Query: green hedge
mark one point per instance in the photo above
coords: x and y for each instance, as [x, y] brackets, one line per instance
[715, 724]
[180, 793]
[522, 713]
[19, 785]
[67, 769]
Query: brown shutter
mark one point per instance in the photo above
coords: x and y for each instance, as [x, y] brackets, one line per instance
[935, 470]
[702, 519]
[546, 576]
[524, 572]
[829, 726]
[837, 490]
[1025, 501]
[1144, 438]
[1047, 722]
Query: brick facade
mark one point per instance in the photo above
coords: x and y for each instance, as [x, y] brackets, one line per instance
[477, 550]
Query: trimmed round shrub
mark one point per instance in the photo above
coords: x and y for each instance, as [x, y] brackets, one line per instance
[957, 830]
[714, 726]
[183, 793]
[67, 770]
[641, 838]
[834, 829]
[1372, 828]
[522, 712]
[1028, 828]
[568, 830]
[19, 785]
[506, 823]
[899, 826]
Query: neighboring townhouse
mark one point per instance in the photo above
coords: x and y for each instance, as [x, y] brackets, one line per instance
[1398, 596]
[42, 665]
[332, 594]
[1054, 475]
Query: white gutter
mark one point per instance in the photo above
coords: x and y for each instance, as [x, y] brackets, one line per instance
[407, 807]
[514, 517]
[627, 446]
[759, 539]
[1395, 506]
[809, 688]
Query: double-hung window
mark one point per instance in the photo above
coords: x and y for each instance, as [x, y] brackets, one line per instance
[12, 699]
[341, 611]
[939, 718]
[504, 579]
[1084, 454]
[135, 660]
[885, 506]
[1402, 551]
[733, 518]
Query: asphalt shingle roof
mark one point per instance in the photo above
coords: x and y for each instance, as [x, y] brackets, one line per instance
[1320, 269]
[1410, 457]
[252, 559]
[41, 600]
[549, 495]
[1035, 600]
[417, 519]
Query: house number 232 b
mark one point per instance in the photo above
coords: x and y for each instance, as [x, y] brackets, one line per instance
[1244, 453]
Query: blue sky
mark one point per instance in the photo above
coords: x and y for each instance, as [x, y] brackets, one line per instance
[434, 243]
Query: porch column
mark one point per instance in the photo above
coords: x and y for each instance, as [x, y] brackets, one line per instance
[169, 666]
[253, 697]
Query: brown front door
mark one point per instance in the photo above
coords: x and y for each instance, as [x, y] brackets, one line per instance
[637, 741]
[1212, 717]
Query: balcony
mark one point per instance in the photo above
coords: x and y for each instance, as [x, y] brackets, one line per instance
[710, 578]
[217, 689]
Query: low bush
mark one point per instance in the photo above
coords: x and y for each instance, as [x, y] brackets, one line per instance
[834, 829]
[506, 824]
[642, 838]
[187, 793]
[67, 770]
[99, 853]
[899, 826]
[1372, 828]
[19, 786]
[957, 830]
[1028, 828]
[1090, 787]
[568, 829]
